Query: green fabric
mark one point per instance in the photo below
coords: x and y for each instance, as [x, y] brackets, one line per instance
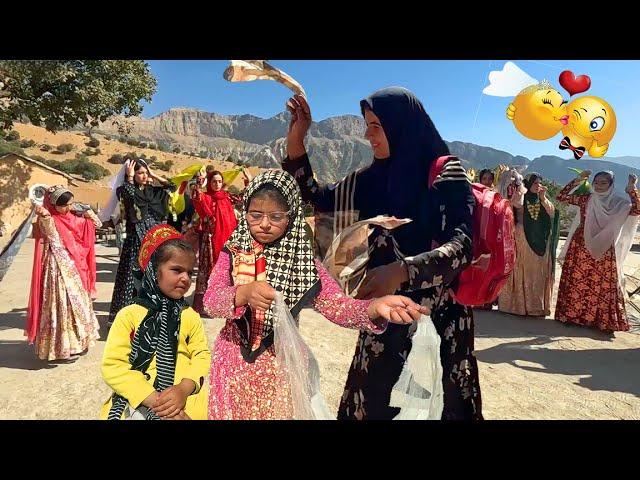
[536, 231]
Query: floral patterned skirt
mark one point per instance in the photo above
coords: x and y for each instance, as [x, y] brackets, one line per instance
[68, 324]
[589, 293]
[246, 391]
[205, 266]
[379, 359]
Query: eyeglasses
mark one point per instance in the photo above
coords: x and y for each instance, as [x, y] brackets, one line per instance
[274, 217]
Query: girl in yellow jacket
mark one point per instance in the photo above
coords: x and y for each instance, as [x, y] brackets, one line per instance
[156, 356]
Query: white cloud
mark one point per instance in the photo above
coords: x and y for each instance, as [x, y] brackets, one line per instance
[508, 82]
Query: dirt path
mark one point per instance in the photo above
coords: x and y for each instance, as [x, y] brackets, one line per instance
[529, 368]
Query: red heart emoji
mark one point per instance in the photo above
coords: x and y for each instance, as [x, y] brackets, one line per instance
[573, 84]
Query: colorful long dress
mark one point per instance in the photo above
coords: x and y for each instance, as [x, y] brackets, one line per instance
[143, 209]
[66, 324]
[216, 222]
[528, 289]
[256, 391]
[589, 292]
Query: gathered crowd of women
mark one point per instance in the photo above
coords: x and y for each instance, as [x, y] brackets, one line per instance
[248, 252]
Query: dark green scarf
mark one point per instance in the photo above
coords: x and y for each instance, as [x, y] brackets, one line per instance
[536, 230]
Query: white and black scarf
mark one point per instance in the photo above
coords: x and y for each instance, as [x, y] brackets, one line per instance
[290, 268]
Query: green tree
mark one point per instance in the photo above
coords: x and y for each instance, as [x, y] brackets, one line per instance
[61, 94]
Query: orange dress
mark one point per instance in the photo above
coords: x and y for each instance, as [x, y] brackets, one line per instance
[589, 292]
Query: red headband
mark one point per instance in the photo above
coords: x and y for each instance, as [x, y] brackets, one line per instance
[153, 239]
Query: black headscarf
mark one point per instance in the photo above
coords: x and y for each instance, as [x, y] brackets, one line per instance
[414, 143]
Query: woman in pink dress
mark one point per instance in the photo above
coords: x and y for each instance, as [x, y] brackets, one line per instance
[60, 317]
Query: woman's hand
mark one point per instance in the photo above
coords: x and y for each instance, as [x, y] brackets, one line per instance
[258, 295]
[130, 169]
[41, 211]
[542, 190]
[396, 309]
[383, 280]
[299, 126]
[584, 175]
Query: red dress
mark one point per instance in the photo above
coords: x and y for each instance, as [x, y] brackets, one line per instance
[589, 291]
[217, 222]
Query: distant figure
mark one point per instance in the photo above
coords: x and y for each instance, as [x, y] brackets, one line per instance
[486, 177]
[217, 221]
[591, 288]
[144, 206]
[60, 316]
[528, 291]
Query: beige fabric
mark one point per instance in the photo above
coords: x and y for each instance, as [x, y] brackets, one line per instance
[250, 70]
[528, 290]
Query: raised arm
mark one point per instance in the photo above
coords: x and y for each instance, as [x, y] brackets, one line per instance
[297, 161]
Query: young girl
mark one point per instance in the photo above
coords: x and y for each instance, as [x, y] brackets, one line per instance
[156, 356]
[145, 205]
[60, 316]
[269, 251]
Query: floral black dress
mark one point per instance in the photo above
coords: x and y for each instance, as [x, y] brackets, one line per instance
[378, 360]
[143, 209]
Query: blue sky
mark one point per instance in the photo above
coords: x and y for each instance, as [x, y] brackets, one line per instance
[451, 91]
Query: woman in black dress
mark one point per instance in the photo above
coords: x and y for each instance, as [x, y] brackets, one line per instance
[404, 260]
[144, 205]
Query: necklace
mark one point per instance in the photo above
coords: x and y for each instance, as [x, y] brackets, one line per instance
[534, 209]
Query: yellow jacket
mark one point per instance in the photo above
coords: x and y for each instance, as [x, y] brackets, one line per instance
[193, 362]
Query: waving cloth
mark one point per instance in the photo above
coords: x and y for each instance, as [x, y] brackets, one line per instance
[250, 70]
[112, 205]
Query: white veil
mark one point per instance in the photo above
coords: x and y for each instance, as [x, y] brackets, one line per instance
[111, 208]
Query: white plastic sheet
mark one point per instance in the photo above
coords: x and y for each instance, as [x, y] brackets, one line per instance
[419, 392]
[298, 365]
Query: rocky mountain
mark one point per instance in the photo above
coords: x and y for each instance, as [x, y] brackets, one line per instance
[336, 145]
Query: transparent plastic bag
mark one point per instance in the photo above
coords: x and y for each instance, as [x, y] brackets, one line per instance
[298, 365]
[418, 392]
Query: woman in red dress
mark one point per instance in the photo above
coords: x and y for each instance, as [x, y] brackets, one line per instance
[591, 287]
[217, 221]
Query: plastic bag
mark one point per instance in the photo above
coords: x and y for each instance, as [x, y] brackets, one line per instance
[298, 365]
[419, 392]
